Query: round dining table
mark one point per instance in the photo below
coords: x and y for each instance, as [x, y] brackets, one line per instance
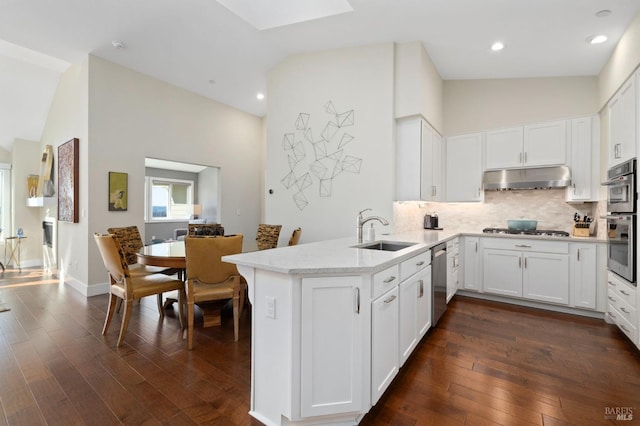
[168, 255]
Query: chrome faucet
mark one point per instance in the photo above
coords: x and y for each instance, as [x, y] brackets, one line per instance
[362, 221]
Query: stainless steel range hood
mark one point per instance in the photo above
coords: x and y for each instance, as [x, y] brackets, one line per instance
[535, 178]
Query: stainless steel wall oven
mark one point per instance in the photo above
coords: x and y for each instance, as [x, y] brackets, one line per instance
[622, 220]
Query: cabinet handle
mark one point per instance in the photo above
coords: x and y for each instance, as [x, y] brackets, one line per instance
[523, 246]
[612, 315]
[357, 300]
[520, 158]
[520, 262]
[611, 298]
[476, 246]
[388, 280]
[624, 328]
[390, 299]
[578, 255]
[420, 263]
[624, 310]
[525, 262]
[574, 189]
[625, 293]
[525, 157]
[421, 289]
[611, 284]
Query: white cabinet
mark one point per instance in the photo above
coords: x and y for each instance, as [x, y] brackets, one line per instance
[453, 263]
[418, 161]
[471, 265]
[622, 123]
[503, 148]
[384, 342]
[584, 274]
[534, 145]
[415, 311]
[584, 159]
[536, 270]
[622, 306]
[331, 346]
[545, 144]
[463, 168]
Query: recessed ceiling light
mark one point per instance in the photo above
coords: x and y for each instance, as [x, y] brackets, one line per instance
[603, 13]
[497, 46]
[212, 82]
[260, 96]
[597, 39]
[117, 44]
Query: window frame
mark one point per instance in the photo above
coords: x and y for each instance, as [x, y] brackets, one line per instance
[150, 181]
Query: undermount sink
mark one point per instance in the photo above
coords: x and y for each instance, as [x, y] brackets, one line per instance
[385, 245]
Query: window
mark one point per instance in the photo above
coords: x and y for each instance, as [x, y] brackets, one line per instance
[168, 199]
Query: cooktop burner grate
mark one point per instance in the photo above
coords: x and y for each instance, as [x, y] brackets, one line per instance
[542, 232]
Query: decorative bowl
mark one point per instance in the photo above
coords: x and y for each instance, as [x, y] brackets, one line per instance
[522, 225]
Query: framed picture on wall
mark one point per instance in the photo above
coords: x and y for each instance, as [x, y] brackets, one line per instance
[68, 171]
[118, 192]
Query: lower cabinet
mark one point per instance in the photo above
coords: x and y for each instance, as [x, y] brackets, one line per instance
[622, 306]
[453, 262]
[332, 348]
[384, 342]
[415, 311]
[584, 274]
[472, 277]
[536, 270]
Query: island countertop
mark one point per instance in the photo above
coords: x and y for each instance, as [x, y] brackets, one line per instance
[339, 256]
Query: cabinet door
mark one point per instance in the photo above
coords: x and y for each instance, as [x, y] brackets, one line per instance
[427, 188]
[545, 144]
[408, 157]
[622, 124]
[384, 342]
[464, 168]
[471, 265]
[546, 277]
[582, 175]
[503, 272]
[436, 166]
[332, 348]
[408, 336]
[504, 148]
[424, 301]
[584, 275]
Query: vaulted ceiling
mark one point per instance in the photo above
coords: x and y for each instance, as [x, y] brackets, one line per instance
[202, 46]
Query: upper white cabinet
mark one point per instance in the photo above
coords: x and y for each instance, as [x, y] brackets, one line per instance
[464, 168]
[584, 159]
[504, 148]
[419, 159]
[622, 123]
[534, 145]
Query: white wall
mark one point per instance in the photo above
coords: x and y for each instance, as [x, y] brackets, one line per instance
[476, 105]
[133, 116]
[623, 61]
[358, 79]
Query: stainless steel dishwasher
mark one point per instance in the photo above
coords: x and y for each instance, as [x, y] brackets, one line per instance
[438, 282]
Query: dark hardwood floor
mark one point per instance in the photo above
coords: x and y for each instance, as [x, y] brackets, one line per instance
[486, 363]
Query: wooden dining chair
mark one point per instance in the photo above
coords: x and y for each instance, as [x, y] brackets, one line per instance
[209, 278]
[131, 242]
[129, 288]
[214, 229]
[267, 236]
[295, 236]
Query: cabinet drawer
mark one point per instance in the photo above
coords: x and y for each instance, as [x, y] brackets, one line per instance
[622, 290]
[415, 264]
[453, 246]
[526, 245]
[623, 308]
[385, 280]
[625, 326]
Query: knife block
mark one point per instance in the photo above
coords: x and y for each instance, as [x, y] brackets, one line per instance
[581, 231]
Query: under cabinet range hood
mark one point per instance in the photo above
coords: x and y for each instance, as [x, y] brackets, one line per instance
[534, 178]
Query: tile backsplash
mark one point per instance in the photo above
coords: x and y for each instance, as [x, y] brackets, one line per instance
[547, 206]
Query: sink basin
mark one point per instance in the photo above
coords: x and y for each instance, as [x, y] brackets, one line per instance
[385, 245]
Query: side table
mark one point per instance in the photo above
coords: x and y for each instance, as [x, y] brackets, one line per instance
[14, 250]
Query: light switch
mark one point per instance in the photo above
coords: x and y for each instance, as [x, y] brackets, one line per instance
[271, 307]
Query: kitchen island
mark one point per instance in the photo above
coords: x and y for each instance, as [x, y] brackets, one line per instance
[325, 324]
[333, 322]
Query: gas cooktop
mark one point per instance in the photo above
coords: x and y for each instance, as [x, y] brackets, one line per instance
[542, 232]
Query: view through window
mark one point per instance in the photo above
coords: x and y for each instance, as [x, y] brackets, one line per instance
[169, 199]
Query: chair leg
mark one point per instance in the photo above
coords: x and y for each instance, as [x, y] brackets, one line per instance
[160, 305]
[118, 305]
[190, 314]
[125, 320]
[113, 301]
[236, 314]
